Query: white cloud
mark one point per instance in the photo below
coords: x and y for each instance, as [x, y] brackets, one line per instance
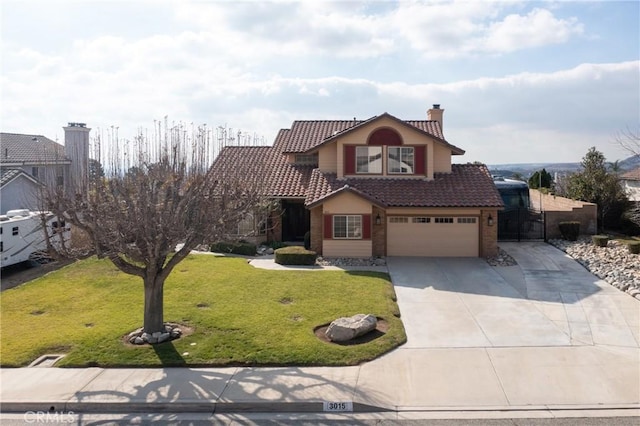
[350, 30]
[215, 72]
[538, 28]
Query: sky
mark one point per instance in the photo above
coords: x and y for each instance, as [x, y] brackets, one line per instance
[520, 81]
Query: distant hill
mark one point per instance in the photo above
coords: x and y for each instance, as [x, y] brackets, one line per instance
[527, 169]
[630, 163]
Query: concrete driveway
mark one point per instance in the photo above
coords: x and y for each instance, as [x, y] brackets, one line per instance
[543, 334]
[547, 300]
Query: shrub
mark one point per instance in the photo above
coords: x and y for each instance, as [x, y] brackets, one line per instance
[276, 244]
[295, 255]
[243, 248]
[600, 240]
[569, 230]
[634, 247]
[307, 240]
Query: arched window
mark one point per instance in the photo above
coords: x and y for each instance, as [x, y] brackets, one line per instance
[384, 136]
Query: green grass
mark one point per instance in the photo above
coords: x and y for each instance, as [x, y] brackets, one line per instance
[86, 308]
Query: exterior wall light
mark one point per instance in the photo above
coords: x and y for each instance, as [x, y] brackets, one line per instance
[378, 219]
[490, 220]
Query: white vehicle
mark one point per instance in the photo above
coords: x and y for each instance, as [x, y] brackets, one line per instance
[22, 234]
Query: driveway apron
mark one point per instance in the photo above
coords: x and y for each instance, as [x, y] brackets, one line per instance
[545, 333]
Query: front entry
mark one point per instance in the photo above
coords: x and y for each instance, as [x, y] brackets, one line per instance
[295, 220]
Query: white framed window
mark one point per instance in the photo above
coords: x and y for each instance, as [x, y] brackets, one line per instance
[347, 227]
[369, 159]
[466, 220]
[421, 220]
[398, 219]
[443, 220]
[250, 225]
[307, 160]
[401, 159]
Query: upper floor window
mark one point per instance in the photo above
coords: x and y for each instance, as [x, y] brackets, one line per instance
[369, 159]
[401, 160]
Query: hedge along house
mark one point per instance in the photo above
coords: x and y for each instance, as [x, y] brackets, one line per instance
[378, 187]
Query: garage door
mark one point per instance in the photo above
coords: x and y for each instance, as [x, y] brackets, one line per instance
[432, 236]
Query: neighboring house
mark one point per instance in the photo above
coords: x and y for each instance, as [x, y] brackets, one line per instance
[29, 162]
[631, 183]
[378, 187]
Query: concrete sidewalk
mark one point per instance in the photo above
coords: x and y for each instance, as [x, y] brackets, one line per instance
[478, 366]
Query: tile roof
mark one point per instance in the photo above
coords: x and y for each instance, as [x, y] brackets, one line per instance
[633, 174]
[7, 175]
[31, 149]
[306, 135]
[280, 179]
[468, 185]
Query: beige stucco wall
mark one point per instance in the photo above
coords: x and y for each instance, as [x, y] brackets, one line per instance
[441, 159]
[328, 158]
[346, 203]
[347, 248]
[559, 209]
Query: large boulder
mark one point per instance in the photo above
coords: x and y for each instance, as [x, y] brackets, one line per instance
[345, 329]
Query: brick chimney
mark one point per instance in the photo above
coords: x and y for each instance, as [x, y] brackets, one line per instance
[435, 114]
[76, 148]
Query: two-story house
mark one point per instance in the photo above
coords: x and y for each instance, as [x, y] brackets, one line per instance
[377, 187]
[28, 163]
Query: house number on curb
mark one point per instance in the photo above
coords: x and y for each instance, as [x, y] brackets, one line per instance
[338, 406]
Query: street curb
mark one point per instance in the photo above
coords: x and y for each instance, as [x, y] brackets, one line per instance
[178, 407]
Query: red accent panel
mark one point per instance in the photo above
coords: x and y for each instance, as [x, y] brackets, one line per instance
[419, 159]
[328, 226]
[384, 137]
[349, 159]
[366, 226]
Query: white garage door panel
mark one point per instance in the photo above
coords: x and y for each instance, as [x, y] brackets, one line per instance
[432, 239]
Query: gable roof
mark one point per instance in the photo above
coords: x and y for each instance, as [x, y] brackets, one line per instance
[30, 149]
[304, 136]
[468, 185]
[9, 175]
[633, 174]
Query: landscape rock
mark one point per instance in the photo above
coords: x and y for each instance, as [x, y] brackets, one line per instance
[347, 328]
[351, 261]
[172, 331]
[613, 263]
[164, 337]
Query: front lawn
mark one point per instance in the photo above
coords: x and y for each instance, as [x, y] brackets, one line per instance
[240, 315]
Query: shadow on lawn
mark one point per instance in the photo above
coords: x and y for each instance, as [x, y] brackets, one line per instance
[168, 355]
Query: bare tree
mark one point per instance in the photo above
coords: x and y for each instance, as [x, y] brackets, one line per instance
[629, 140]
[158, 191]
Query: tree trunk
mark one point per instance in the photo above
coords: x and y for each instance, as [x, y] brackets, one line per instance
[153, 305]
